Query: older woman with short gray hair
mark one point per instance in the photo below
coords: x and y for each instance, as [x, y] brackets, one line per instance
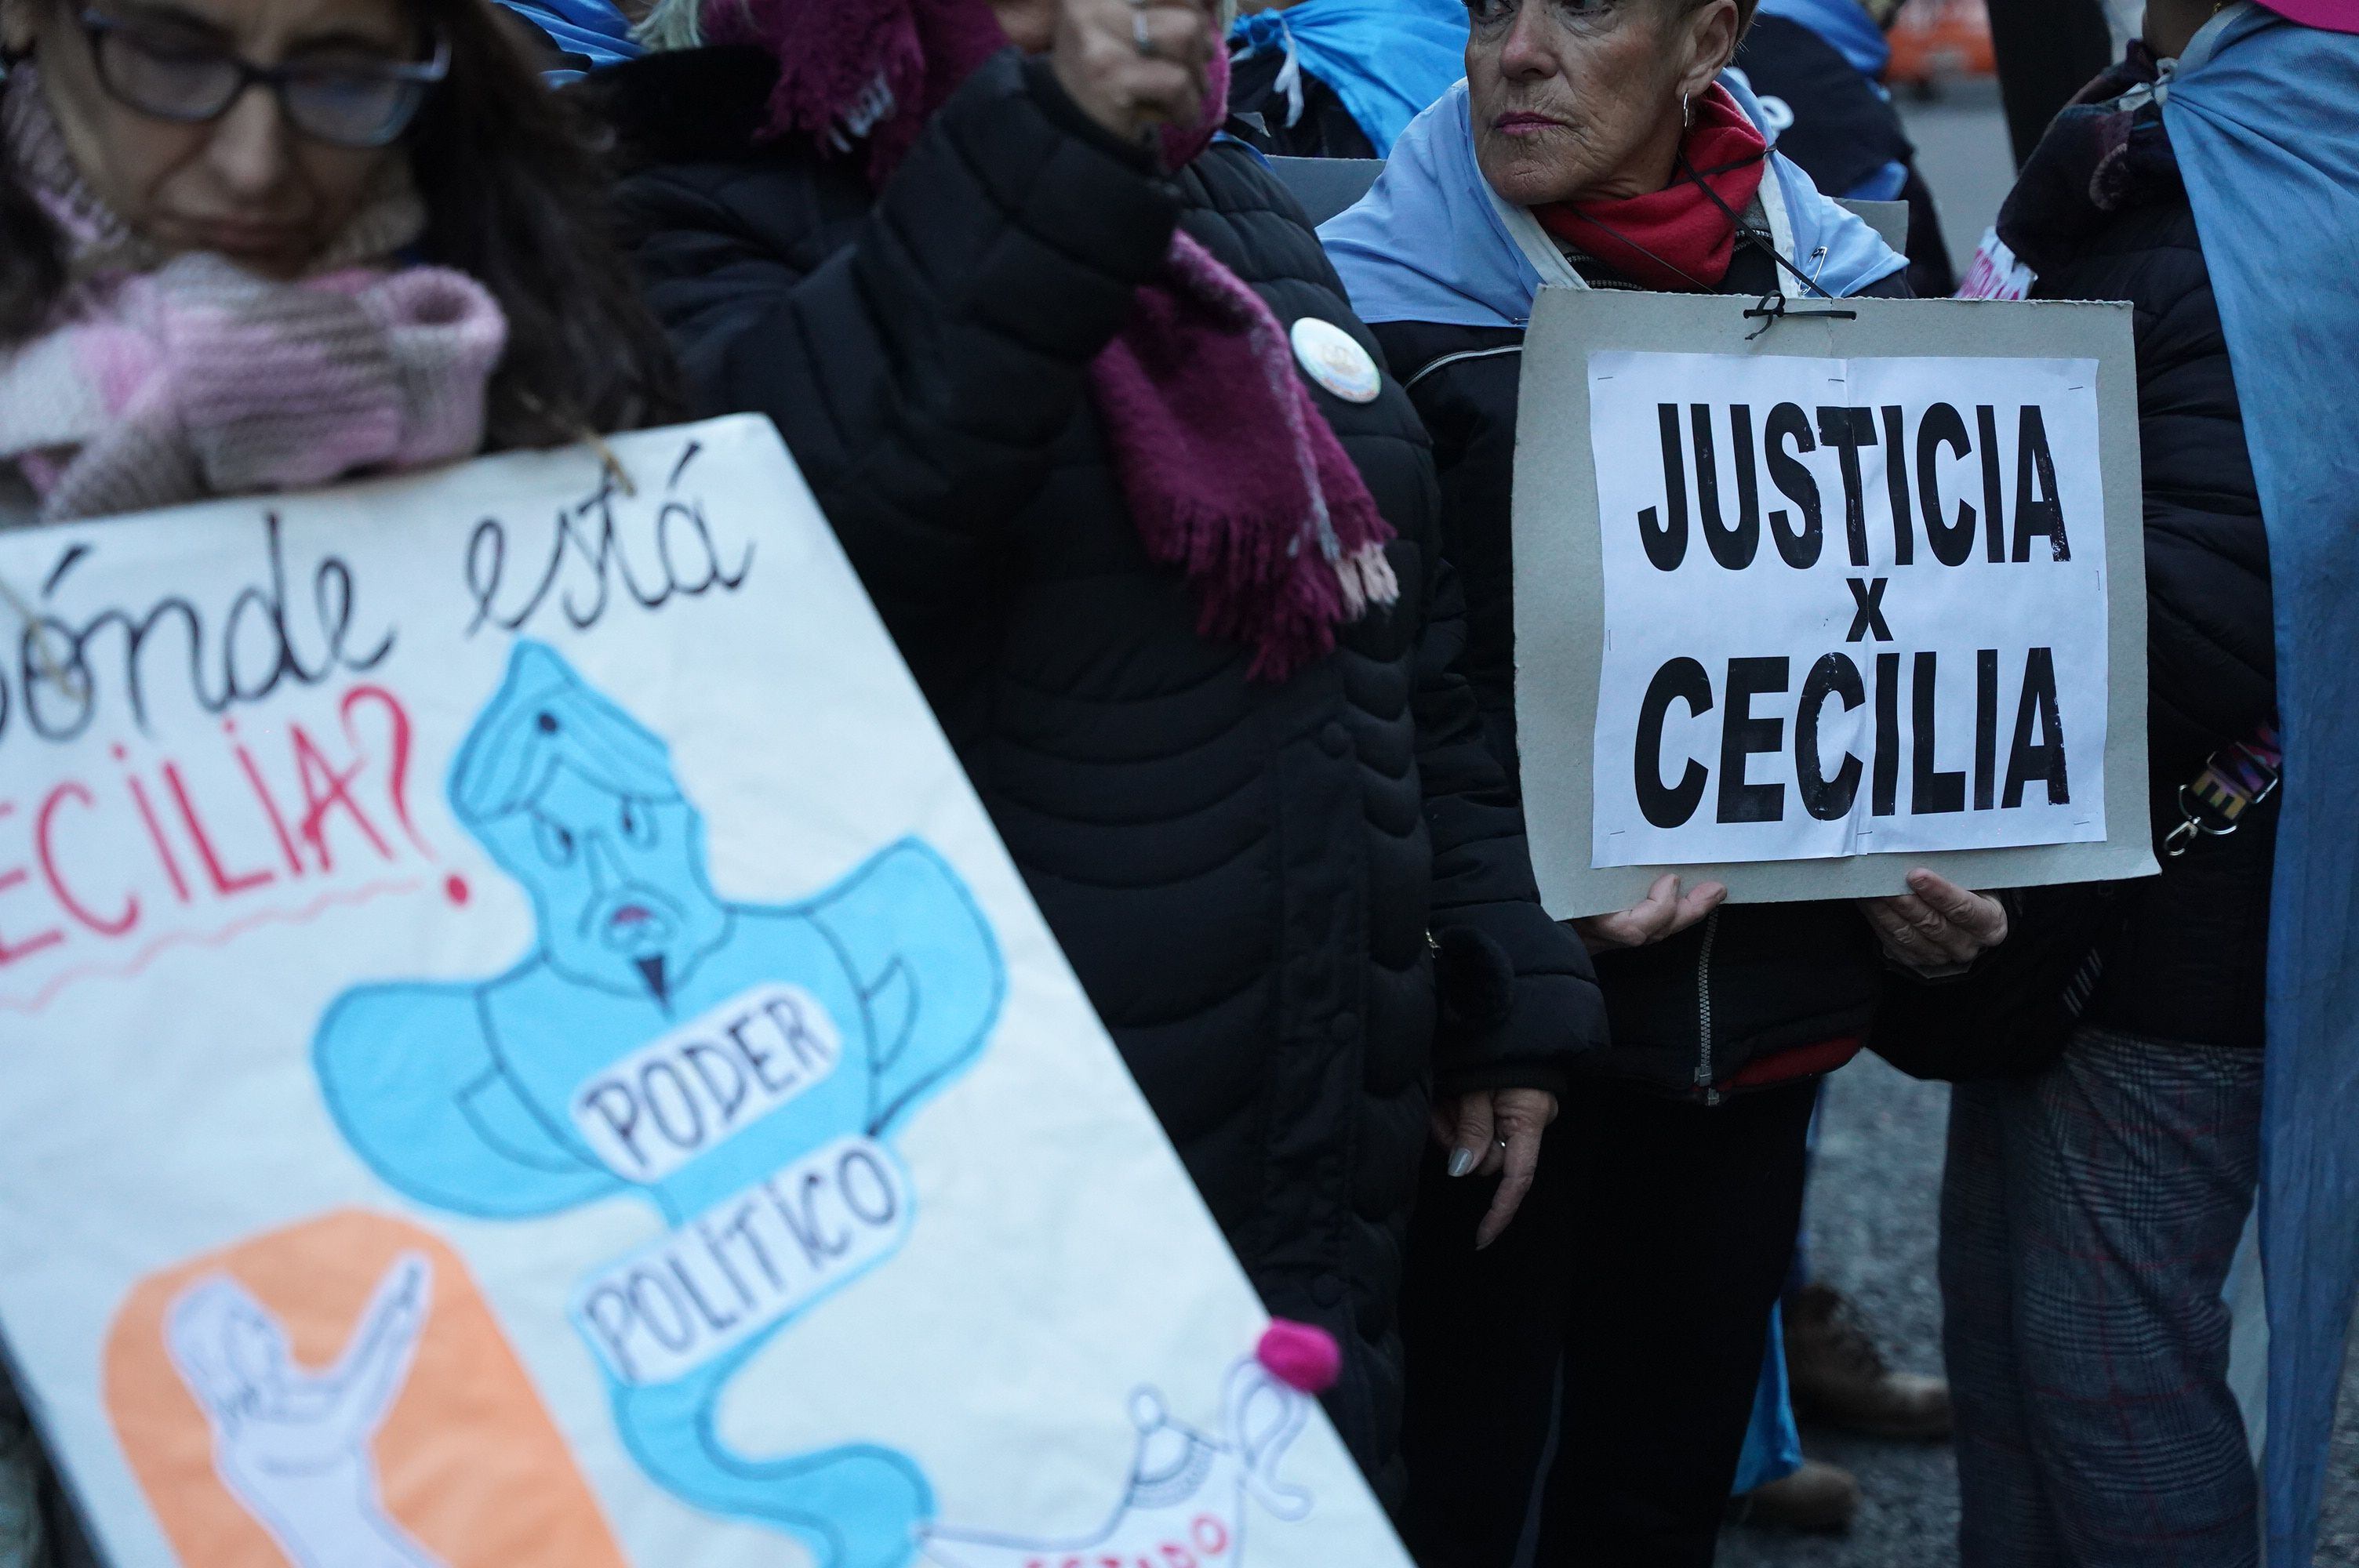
[1596, 143]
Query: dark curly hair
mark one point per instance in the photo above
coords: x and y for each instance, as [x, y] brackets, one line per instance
[516, 196]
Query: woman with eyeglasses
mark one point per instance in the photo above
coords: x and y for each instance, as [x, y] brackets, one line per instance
[256, 244]
[250, 244]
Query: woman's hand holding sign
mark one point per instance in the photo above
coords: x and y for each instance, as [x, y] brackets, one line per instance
[1664, 912]
[1939, 929]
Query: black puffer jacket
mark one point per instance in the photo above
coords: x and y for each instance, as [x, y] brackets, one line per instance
[1690, 1014]
[1846, 134]
[1264, 116]
[2192, 963]
[1243, 874]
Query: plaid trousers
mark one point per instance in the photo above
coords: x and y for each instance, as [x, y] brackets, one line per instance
[20, 1484]
[2089, 1216]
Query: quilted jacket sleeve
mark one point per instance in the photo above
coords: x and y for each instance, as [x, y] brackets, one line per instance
[2191, 964]
[2211, 636]
[1483, 888]
[1463, 381]
[921, 373]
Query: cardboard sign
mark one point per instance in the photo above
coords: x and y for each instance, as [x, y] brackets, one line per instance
[524, 1051]
[1801, 608]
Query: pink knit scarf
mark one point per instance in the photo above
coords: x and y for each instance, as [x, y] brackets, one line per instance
[1232, 473]
[164, 379]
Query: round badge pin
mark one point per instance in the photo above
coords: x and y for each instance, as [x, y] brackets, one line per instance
[1333, 358]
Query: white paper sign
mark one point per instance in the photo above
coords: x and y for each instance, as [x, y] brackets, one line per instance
[523, 1052]
[1804, 602]
[1851, 606]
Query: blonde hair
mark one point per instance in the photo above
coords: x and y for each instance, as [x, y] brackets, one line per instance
[673, 25]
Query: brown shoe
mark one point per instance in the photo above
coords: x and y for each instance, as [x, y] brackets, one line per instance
[1819, 1498]
[1841, 1379]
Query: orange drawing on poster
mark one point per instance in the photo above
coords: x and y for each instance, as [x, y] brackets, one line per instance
[339, 1395]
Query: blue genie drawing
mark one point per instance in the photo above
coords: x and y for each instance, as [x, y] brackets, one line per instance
[743, 1068]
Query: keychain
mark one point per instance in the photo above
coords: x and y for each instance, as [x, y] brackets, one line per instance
[2233, 781]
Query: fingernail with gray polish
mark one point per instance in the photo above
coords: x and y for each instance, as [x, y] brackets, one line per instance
[1460, 1162]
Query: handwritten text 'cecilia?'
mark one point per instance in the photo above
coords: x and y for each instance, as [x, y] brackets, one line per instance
[187, 753]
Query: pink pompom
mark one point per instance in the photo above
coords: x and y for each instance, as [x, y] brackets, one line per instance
[1301, 1356]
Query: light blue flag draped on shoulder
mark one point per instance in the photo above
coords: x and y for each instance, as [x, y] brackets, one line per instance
[1386, 59]
[1429, 242]
[1426, 243]
[2264, 116]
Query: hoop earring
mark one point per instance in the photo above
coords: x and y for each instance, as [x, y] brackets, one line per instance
[1687, 113]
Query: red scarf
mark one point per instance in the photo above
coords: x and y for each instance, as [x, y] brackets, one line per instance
[1677, 240]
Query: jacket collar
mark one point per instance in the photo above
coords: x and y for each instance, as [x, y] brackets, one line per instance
[685, 105]
[2105, 154]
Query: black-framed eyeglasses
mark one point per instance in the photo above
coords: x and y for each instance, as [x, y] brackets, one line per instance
[344, 103]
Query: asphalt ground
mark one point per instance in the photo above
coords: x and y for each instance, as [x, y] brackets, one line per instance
[1962, 150]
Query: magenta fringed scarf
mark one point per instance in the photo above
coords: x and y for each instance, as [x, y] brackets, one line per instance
[860, 73]
[1232, 473]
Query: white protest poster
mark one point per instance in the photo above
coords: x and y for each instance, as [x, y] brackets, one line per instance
[1803, 603]
[523, 1052]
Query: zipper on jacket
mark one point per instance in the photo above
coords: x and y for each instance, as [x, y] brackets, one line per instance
[1461, 355]
[1703, 1009]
